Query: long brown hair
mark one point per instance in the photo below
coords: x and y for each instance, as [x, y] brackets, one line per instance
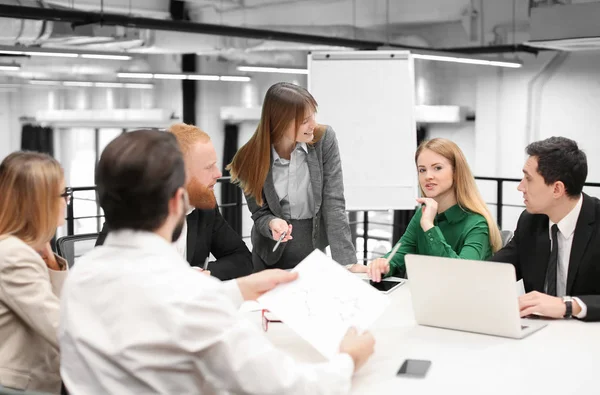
[467, 193]
[284, 103]
[30, 199]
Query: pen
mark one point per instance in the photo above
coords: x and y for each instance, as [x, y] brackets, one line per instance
[205, 267]
[279, 241]
[394, 251]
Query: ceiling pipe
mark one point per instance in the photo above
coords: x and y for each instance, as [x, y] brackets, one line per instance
[492, 49]
[79, 17]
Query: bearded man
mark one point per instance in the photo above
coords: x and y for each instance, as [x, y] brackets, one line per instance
[205, 231]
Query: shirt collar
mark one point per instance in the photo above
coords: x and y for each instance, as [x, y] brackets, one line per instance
[138, 239]
[569, 222]
[454, 214]
[276, 156]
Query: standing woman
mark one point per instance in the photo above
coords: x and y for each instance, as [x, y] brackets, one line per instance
[291, 174]
[33, 200]
[453, 220]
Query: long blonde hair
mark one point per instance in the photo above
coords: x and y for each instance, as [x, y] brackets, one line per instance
[467, 193]
[30, 196]
[283, 104]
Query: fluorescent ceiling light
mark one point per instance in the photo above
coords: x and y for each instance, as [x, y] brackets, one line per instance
[134, 75]
[194, 77]
[9, 67]
[139, 86]
[103, 56]
[198, 77]
[77, 83]
[467, 60]
[109, 84]
[6, 50]
[52, 54]
[43, 82]
[280, 70]
[92, 84]
[234, 78]
[170, 76]
[2, 52]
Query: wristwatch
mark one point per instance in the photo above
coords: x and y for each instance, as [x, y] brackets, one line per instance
[569, 306]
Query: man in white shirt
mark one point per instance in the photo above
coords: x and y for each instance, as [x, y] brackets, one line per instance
[557, 241]
[136, 319]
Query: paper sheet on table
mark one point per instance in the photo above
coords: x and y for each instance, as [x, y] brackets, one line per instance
[520, 288]
[250, 306]
[324, 302]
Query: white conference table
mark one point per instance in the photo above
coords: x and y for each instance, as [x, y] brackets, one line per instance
[561, 358]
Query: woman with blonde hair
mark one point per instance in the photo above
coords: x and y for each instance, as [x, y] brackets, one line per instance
[33, 199]
[291, 174]
[453, 220]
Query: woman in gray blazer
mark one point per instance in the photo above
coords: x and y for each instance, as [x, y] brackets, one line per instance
[291, 174]
[33, 200]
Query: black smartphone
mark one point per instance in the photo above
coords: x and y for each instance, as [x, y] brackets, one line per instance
[414, 368]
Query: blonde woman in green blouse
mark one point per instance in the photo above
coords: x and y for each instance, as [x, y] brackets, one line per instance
[453, 220]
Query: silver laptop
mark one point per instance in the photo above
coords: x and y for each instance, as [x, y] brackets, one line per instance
[472, 296]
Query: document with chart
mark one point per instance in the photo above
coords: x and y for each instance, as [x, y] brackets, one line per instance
[324, 302]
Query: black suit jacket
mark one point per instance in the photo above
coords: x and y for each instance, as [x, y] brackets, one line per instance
[529, 252]
[208, 232]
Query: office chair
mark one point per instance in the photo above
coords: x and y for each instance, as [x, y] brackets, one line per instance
[72, 247]
[506, 236]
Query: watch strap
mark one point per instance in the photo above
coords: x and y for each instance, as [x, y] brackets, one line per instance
[569, 307]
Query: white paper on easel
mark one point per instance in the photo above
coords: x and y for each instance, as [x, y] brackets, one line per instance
[324, 302]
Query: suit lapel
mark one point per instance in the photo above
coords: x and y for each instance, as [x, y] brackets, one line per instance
[316, 176]
[581, 238]
[192, 234]
[271, 194]
[542, 256]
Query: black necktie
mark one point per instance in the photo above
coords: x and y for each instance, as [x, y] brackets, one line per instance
[552, 264]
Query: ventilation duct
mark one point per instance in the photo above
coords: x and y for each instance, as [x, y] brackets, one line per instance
[571, 27]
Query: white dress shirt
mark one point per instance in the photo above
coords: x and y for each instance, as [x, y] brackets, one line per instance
[136, 319]
[566, 230]
[291, 179]
[181, 243]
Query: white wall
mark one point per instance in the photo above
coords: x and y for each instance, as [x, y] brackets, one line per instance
[443, 83]
[10, 131]
[507, 120]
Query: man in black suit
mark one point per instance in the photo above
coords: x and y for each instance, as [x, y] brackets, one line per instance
[556, 246]
[205, 231]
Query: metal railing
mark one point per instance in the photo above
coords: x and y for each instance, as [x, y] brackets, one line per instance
[353, 215]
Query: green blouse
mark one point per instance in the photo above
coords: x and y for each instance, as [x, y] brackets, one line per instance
[457, 233]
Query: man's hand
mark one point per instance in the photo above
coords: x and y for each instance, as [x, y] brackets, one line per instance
[359, 347]
[255, 285]
[357, 268]
[378, 267]
[199, 269]
[545, 305]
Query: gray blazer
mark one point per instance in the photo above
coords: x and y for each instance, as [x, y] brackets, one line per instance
[330, 224]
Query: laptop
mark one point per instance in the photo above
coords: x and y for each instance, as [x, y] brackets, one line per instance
[471, 296]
